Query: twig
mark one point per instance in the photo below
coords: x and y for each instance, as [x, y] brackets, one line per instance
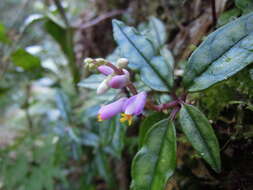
[214, 12]
[101, 18]
[62, 12]
[174, 113]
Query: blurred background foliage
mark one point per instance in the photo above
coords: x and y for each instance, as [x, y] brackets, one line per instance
[49, 137]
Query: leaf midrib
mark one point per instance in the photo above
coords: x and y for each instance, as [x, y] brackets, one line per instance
[202, 139]
[144, 57]
[160, 150]
[208, 65]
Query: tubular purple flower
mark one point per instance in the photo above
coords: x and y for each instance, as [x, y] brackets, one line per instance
[135, 104]
[106, 70]
[110, 110]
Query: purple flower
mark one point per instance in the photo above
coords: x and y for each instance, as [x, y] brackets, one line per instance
[106, 70]
[129, 106]
[133, 106]
[110, 110]
[119, 81]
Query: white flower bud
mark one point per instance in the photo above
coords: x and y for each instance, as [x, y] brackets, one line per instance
[100, 61]
[88, 60]
[103, 87]
[122, 62]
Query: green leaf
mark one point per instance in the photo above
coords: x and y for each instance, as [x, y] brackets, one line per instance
[201, 135]
[224, 53]
[157, 32]
[3, 35]
[167, 55]
[30, 20]
[140, 51]
[155, 163]
[25, 60]
[112, 136]
[246, 6]
[64, 37]
[228, 16]
[147, 123]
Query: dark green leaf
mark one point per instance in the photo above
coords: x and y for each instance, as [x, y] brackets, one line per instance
[246, 6]
[142, 55]
[155, 163]
[25, 60]
[147, 124]
[224, 53]
[201, 135]
[64, 37]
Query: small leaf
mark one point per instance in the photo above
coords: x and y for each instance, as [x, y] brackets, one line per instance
[147, 123]
[155, 163]
[25, 60]
[142, 56]
[224, 53]
[201, 135]
[3, 35]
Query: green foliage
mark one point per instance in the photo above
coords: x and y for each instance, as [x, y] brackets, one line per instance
[201, 135]
[224, 53]
[25, 60]
[154, 70]
[246, 6]
[147, 123]
[155, 162]
[3, 35]
[55, 139]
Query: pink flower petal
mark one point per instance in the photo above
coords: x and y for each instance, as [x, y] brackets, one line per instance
[118, 81]
[135, 104]
[105, 70]
[110, 110]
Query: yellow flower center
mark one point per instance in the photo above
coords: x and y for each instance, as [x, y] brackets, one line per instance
[126, 117]
[99, 118]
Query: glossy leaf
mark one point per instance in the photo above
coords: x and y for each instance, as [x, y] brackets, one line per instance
[147, 123]
[157, 32]
[155, 163]
[201, 135]
[140, 51]
[224, 53]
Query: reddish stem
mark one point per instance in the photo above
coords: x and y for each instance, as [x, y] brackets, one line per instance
[116, 69]
[174, 112]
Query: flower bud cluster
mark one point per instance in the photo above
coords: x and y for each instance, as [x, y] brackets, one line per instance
[118, 77]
